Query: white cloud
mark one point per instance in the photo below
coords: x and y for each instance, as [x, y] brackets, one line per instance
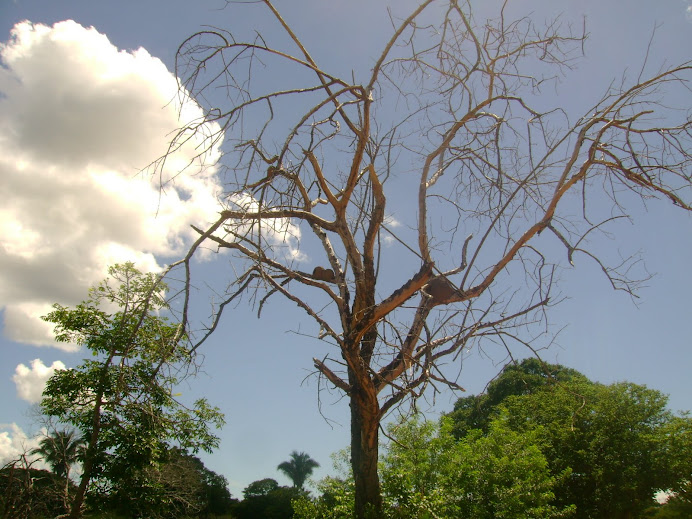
[391, 222]
[80, 121]
[31, 381]
[14, 443]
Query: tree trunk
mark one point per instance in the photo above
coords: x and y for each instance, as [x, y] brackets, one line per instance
[78, 501]
[364, 454]
[66, 492]
[91, 453]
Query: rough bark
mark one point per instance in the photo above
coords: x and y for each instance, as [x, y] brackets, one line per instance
[365, 452]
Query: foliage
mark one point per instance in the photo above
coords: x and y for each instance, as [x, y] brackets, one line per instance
[553, 444]
[122, 399]
[476, 411]
[427, 473]
[61, 450]
[260, 487]
[678, 506]
[334, 502]
[179, 485]
[619, 441]
[336, 494]
[298, 468]
[266, 499]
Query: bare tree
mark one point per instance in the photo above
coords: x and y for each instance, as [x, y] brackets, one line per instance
[451, 129]
[27, 492]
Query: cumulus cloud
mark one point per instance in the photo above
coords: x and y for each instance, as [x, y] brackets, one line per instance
[31, 381]
[15, 443]
[81, 119]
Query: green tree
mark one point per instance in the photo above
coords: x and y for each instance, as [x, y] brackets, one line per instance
[678, 505]
[452, 126]
[266, 499]
[427, 473]
[619, 441]
[121, 400]
[335, 498]
[298, 468]
[336, 501]
[614, 438]
[217, 497]
[260, 488]
[477, 411]
[178, 485]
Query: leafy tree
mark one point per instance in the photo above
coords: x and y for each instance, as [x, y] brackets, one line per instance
[426, 473]
[336, 494]
[260, 488]
[122, 400]
[217, 498]
[524, 378]
[298, 468]
[619, 441]
[266, 499]
[678, 506]
[334, 502]
[178, 485]
[453, 129]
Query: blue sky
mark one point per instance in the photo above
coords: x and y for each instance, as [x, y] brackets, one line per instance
[69, 210]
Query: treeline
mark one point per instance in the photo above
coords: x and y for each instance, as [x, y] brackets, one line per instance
[177, 486]
[542, 442]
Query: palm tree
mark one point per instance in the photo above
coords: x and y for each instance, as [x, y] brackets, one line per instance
[60, 450]
[298, 468]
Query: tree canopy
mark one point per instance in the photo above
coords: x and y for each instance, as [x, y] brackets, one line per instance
[619, 441]
[121, 400]
[525, 378]
[265, 498]
[426, 473]
[177, 485]
[60, 450]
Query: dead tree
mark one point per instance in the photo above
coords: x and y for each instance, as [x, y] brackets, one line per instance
[447, 128]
